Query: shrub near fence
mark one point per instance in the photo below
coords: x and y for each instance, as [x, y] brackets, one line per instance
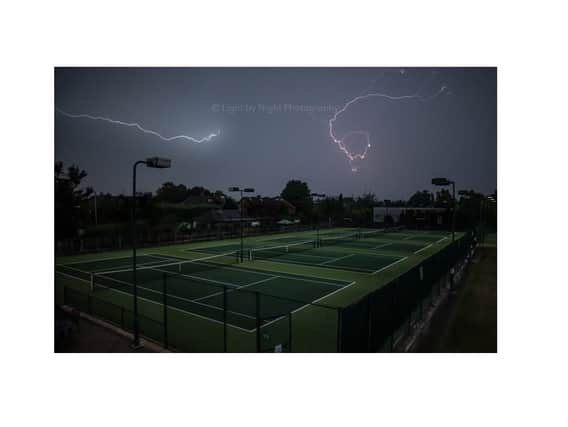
[371, 323]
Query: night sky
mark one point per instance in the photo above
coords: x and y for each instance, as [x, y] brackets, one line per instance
[274, 126]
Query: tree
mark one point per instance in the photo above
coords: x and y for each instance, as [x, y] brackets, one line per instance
[171, 193]
[298, 194]
[421, 199]
[68, 199]
[443, 198]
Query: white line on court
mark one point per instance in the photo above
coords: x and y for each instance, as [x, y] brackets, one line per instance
[381, 246]
[390, 265]
[336, 259]
[424, 248]
[181, 298]
[302, 254]
[125, 257]
[169, 306]
[232, 285]
[443, 238]
[307, 305]
[237, 288]
[144, 264]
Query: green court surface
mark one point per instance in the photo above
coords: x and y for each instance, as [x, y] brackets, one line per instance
[283, 290]
[202, 292]
[335, 259]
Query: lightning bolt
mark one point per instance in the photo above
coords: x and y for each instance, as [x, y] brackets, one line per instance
[367, 137]
[140, 128]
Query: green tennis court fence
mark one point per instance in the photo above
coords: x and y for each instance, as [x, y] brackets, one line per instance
[122, 278]
[228, 320]
[118, 315]
[371, 323]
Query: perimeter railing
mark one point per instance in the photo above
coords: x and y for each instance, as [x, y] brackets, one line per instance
[378, 320]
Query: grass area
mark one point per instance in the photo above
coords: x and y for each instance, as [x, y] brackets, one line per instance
[468, 323]
[334, 275]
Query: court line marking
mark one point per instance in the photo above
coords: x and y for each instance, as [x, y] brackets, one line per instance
[390, 265]
[301, 254]
[336, 259]
[99, 259]
[424, 248]
[307, 305]
[382, 246]
[214, 307]
[443, 238]
[144, 264]
[232, 285]
[183, 299]
[169, 306]
[303, 276]
[290, 261]
[237, 288]
[151, 255]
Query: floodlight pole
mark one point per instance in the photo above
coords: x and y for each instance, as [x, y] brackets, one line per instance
[444, 182]
[241, 190]
[454, 211]
[241, 224]
[317, 195]
[153, 162]
[136, 343]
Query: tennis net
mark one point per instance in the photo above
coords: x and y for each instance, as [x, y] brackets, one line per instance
[276, 251]
[123, 279]
[338, 240]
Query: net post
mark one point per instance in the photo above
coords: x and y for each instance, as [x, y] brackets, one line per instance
[258, 331]
[224, 318]
[92, 285]
[165, 307]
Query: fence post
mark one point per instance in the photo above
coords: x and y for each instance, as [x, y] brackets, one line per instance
[290, 332]
[165, 307]
[369, 323]
[225, 318]
[258, 332]
[339, 329]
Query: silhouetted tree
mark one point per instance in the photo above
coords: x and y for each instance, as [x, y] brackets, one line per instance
[68, 199]
[298, 193]
[423, 199]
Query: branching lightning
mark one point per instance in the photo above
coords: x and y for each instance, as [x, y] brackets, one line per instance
[141, 129]
[340, 141]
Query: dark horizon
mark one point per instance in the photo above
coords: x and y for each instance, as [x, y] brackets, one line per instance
[274, 127]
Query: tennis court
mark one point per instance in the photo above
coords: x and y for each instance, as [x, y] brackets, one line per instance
[376, 249]
[210, 288]
[305, 254]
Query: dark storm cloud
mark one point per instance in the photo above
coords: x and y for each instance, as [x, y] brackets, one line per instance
[274, 127]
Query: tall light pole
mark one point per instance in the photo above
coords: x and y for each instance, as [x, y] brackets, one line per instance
[445, 182]
[314, 196]
[152, 162]
[241, 190]
[387, 203]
